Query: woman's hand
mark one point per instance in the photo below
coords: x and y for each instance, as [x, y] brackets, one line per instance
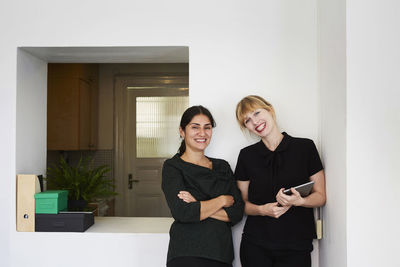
[269, 209]
[273, 210]
[186, 196]
[227, 200]
[207, 208]
[294, 199]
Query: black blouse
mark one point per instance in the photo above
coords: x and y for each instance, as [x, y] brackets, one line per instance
[209, 238]
[291, 164]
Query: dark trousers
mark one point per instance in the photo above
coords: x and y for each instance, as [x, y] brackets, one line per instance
[195, 262]
[252, 255]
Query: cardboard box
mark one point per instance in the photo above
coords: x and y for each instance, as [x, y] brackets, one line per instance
[51, 201]
[64, 222]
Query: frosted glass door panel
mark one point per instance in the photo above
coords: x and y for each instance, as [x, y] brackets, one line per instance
[157, 124]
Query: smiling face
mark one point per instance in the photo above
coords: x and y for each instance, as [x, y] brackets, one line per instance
[260, 122]
[197, 133]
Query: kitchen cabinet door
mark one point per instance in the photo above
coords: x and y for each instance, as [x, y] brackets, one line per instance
[72, 109]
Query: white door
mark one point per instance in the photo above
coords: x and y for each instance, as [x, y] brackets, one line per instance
[148, 110]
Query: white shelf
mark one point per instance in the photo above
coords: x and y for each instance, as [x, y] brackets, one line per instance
[144, 225]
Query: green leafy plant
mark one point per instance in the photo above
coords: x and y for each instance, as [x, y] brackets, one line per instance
[81, 181]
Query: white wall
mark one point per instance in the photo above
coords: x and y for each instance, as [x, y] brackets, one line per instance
[31, 117]
[236, 48]
[373, 135]
[31, 120]
[89, 249]
[7, 154]
[332, 83]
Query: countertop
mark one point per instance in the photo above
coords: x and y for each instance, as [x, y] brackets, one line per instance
[143, 225]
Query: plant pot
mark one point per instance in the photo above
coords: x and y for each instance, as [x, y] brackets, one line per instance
[77, 204]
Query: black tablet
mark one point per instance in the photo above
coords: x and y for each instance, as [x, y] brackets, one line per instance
[303, 189]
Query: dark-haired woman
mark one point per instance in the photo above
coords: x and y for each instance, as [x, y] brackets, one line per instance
[279, 228]
[202, 195]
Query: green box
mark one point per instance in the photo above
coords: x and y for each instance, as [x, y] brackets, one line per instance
[51, 201]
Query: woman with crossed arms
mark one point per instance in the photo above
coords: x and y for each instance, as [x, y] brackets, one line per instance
[203, 197]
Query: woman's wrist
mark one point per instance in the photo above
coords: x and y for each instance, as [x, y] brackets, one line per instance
[222, 201]
[300, 202]
[262, 210]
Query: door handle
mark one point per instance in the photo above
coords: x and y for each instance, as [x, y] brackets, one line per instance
[131, 181]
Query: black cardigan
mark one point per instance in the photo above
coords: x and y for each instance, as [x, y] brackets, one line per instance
[209, 238]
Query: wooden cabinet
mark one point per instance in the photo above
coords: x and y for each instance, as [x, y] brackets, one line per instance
[72, 106]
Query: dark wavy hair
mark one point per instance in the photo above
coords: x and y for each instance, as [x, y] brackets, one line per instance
[187, 117]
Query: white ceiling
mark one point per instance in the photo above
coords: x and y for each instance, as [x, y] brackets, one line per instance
[144, 54]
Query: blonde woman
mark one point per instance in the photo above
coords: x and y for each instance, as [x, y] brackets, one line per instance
[279, 228]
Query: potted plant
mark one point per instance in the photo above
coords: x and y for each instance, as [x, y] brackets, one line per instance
[84, 183]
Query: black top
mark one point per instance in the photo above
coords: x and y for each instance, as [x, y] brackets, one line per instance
[209, 238]
[291, 164]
